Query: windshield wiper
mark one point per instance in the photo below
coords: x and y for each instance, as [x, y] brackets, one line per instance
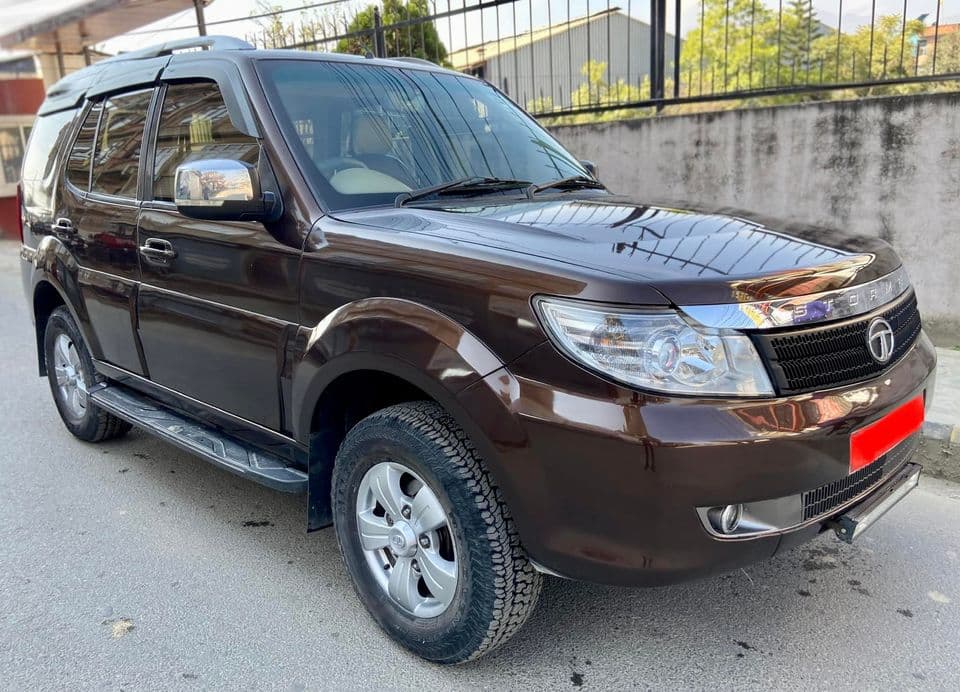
[473, 183]
[574, 182]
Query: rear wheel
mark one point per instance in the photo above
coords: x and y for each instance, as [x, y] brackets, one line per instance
[426, 537]
[71, 374]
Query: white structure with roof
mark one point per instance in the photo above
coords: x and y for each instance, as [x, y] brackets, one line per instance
[547, 62]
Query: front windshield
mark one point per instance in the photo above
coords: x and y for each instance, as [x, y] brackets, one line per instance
[366, 133]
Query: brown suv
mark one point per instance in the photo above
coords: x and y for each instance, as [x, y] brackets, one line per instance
[382, 284]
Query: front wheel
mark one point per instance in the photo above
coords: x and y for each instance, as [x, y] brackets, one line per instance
[426, 537]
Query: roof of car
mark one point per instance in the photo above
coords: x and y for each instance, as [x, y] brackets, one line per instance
[145, 66]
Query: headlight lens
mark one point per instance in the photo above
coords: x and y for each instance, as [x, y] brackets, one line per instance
[659, 351]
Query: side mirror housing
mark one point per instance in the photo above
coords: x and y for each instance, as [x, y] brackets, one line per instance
[592, 168]
[223, 190]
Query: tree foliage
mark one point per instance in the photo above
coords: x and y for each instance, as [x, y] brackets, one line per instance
[419, 40]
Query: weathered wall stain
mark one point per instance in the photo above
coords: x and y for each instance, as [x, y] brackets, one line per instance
[887, 167]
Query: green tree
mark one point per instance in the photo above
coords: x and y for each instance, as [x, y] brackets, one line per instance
[796, 38]
[419, 40]
[731, 48]
[595, 91]
[948, 54]
[876, 55]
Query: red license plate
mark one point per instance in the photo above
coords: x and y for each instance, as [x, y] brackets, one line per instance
[873, 441]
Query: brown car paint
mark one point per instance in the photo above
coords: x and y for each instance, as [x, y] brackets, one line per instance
[603, 480]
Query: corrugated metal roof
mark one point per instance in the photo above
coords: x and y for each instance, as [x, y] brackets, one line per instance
[75, 24]
[478, 53]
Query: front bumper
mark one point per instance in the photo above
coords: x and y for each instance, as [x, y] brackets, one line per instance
[604, 482]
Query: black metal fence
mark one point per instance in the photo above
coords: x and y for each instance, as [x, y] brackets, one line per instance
[569, 57]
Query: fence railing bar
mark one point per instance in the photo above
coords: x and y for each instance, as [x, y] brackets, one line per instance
[839, 36]
[756, 93]
[678, 17]
[779, 40]
[903, 35]
[936, 39]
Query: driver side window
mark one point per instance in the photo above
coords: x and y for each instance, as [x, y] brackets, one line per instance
[194, 124]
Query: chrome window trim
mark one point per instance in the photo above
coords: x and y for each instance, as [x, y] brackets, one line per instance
[807, 310]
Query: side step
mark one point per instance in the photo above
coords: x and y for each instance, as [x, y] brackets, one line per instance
[214, 446]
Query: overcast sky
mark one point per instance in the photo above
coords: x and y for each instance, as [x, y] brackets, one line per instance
[855, 13]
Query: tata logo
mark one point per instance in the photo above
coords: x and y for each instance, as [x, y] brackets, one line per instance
[880, 340]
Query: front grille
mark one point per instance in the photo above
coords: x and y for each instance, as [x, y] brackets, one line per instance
[832, 495]
[834, 355]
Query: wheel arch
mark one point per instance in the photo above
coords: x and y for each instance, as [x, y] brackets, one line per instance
[54, 282]
[371, 354]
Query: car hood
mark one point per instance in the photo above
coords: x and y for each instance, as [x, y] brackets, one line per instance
[690, 255]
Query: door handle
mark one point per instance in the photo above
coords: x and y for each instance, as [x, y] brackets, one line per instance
[63, 227]
[158, 250]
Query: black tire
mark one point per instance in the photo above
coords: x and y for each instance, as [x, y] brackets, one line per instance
[497, 588]
[94, 424]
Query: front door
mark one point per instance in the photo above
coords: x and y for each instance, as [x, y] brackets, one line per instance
[219, 300]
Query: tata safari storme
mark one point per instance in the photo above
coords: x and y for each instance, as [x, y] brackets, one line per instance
[382, 284]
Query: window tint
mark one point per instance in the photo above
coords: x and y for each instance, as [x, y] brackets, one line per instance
[78, 165]
[47, 133]
[47, 140]
[194, 125]
[117, 157]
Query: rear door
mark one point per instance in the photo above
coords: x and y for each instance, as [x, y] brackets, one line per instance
[97, 220]
[216, 312]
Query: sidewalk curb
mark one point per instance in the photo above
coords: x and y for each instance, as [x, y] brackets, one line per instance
[939, 451]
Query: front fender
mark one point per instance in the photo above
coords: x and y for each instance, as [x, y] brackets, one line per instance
[400, 337]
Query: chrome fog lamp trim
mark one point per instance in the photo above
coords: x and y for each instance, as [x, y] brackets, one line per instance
[803, 310]
[752, 519]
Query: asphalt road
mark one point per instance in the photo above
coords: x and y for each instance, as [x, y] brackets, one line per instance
[132, 565]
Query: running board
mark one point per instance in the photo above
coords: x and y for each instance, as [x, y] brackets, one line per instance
[216, 447]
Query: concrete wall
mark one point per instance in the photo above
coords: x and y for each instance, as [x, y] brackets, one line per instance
[887, 166]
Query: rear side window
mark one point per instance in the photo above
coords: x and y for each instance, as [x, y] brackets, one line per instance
[46, 138]
[78, 165]
[116, 160]
[195, 125]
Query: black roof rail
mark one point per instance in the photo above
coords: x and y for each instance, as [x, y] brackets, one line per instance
[171, 47]
[142, 66]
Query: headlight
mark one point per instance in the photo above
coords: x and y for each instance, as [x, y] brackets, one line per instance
[658, 351]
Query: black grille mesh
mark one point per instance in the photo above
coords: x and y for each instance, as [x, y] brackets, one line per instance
[830, 356]
[827, 497]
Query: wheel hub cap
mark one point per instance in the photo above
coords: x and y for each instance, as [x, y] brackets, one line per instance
[403, 540]
[406, 539]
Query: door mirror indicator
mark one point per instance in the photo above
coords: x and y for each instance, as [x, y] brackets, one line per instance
[222, 189]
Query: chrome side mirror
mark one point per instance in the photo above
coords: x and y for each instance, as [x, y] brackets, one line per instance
[221, 189]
